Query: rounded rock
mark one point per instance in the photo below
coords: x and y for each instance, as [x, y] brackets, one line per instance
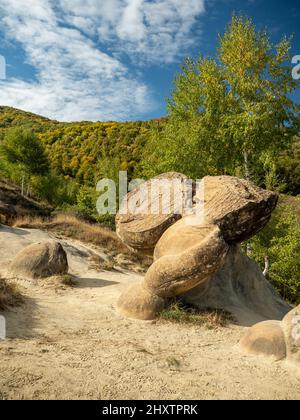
[40, 260]
[185, 256]
[265, 339]
[138, 303]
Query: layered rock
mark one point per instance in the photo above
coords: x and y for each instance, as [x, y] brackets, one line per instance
[238, 207]
[150, 210]
[241, 289]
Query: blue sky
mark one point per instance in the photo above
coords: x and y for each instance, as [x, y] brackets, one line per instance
[116, 59]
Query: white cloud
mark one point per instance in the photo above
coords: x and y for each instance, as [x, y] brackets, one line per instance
[157, 31]
[132, 27]
[77, 80]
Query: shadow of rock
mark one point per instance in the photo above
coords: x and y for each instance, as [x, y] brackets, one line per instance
[21, 321]
[16, 231]
[75, 252]
[92, 282]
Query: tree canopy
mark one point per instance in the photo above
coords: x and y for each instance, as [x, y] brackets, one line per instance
[230, 114]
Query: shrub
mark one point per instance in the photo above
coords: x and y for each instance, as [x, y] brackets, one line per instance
[280, 242]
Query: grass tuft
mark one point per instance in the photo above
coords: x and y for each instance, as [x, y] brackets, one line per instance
[9, 295]
[66, 280]
[180, 313]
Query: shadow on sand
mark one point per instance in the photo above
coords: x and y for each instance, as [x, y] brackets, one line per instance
[81, 283]
[16, 231]
[22, 320]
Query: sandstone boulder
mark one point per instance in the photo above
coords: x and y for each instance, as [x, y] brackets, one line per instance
[238, 207]
[185, 256]
[152, 209]
[40, 260]
[138, 303]
[265, 339]
[196, 255]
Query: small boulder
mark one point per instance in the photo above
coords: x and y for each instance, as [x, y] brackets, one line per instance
[265, 339]
[40, 260]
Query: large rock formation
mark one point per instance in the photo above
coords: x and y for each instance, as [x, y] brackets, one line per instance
[197, 255]
[41, 260]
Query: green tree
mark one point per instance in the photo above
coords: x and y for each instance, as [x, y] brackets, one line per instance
[230, 114]
[279, 244]
[21, 149]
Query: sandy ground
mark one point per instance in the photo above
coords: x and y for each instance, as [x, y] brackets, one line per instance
[72, 344]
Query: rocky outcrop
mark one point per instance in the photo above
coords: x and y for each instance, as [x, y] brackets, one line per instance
[198, 257]
[41, 260]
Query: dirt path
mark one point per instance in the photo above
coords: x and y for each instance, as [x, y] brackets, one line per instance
[72, 344]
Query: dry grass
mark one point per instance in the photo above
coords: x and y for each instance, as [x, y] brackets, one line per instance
[66, 280]
[99, 264]
[178, 312]
[71, 227]
[9, 295]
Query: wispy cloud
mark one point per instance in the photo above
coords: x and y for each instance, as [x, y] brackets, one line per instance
[157, 31]
[76, 78]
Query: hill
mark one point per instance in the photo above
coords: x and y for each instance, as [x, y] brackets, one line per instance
[85, 151]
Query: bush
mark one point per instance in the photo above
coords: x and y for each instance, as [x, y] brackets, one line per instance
[280, 242]
[55, 190]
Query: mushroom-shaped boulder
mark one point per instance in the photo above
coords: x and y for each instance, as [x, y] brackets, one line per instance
[190, 252]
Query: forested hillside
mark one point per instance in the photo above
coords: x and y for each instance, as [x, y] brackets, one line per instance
[84, 151]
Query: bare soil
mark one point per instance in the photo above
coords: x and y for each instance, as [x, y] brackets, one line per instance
[70, 343]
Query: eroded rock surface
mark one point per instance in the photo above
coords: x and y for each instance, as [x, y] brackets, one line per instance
[40, 260]
[190, 250]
